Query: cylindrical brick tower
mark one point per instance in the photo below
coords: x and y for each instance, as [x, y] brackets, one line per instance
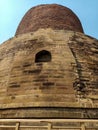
[49, 73]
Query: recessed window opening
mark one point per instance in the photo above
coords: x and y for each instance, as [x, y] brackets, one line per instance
[43, 56]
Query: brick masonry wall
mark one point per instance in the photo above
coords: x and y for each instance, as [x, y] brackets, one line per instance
[69, 80]
[49, 16]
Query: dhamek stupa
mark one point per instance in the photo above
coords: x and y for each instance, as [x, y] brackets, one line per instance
[49, 73]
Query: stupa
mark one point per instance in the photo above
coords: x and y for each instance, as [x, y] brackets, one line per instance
[49, 73]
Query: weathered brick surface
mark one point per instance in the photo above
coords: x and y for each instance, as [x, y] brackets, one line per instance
[49, 73]
[69, 80]
[49, 15]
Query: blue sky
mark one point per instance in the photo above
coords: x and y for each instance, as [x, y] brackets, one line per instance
[12, 11]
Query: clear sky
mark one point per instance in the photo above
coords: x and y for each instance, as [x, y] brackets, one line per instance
[12, 11]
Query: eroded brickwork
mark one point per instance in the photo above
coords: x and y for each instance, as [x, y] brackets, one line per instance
[49, 75]
[49, 16]
[69, 80]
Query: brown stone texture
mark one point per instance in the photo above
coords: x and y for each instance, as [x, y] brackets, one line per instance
[65, 87]
[49, 70]
[45, 16]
